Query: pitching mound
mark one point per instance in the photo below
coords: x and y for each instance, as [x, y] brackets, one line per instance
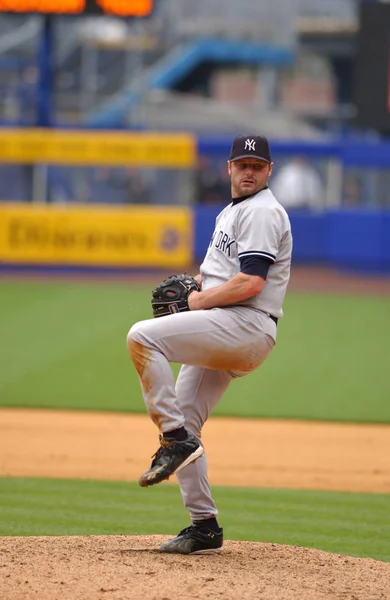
[131, 568]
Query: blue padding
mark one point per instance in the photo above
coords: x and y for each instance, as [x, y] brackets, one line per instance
[309, 236]
[350, 153]
[366, 154]
[357, 240]
[353, 235]
[314, 149]
[385, 247]
[215, 146]
[219, 147]
[204, 223]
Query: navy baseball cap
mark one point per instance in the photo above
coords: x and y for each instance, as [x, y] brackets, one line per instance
[250, 146]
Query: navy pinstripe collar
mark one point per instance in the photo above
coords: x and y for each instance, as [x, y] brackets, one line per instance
[241, 198]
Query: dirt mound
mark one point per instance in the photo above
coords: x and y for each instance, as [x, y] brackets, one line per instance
[131, 568]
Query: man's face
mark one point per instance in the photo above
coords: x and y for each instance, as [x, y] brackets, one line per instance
[248, 175]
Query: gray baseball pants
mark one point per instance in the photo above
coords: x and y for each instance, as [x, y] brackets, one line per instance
[214, 346]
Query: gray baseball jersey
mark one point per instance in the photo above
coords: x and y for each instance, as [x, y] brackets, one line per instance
[258, 226]
[214, 346]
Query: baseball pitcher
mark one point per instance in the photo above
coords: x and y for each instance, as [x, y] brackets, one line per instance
[219, 325]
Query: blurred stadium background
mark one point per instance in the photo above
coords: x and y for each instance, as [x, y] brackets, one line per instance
[158, 99]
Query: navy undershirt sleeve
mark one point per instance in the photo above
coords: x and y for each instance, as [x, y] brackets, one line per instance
[255, 265]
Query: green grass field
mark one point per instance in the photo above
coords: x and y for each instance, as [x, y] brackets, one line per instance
[350, 524]
[63, 345]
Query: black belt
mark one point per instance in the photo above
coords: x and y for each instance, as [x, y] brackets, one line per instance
[275, 319]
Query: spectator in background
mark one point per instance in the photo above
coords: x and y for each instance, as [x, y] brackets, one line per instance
[352, 190]
[212, 182]
[297, 185]
[121, 186]
[138, 191]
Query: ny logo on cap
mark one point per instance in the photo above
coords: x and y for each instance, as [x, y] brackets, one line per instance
[250, 145]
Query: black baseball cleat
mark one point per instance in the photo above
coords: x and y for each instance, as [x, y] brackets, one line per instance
[194, 540]
[170, 458]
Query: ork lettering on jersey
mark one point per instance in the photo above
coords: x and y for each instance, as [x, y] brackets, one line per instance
[222, 241]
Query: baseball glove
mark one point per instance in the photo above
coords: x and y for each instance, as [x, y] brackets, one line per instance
[171, 296]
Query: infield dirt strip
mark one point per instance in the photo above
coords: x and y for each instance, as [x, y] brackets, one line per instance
[110, 446]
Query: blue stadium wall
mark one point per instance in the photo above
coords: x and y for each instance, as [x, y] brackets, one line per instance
[353, 240]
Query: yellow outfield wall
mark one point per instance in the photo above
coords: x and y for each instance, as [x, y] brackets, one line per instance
[96, 148]
[130, 236]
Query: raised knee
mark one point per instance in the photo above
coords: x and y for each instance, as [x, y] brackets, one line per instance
[133, 335]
